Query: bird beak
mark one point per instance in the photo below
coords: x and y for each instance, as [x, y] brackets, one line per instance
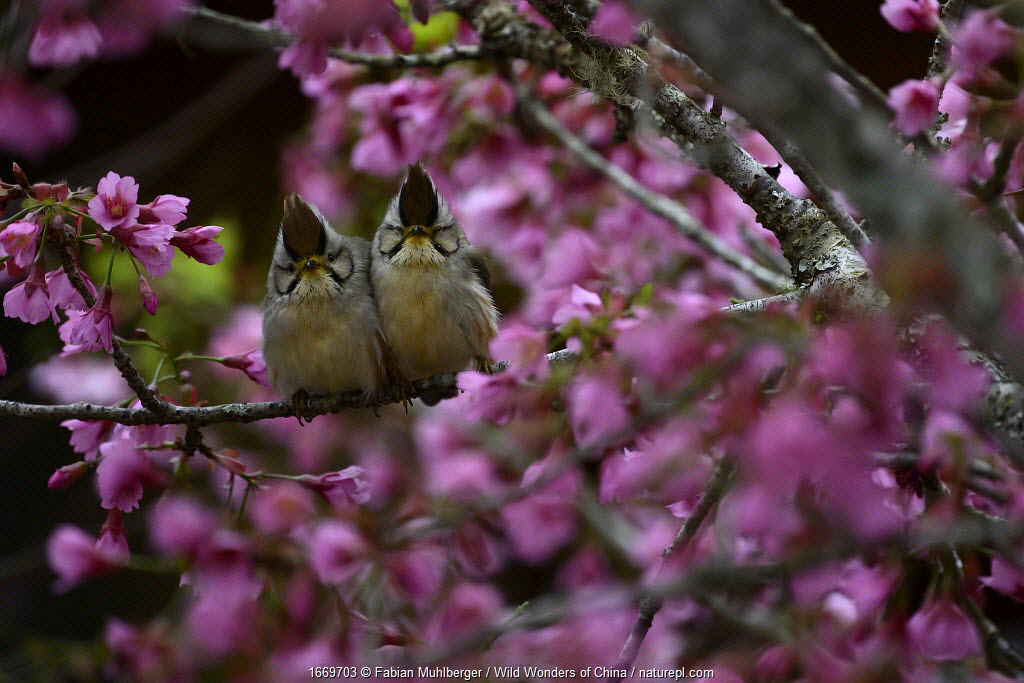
[418, 231]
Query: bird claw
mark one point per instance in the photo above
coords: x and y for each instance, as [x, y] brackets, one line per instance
[300, 407]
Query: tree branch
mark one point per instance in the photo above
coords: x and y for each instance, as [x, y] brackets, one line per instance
[267, 36]
[441, 384]
[674, 213]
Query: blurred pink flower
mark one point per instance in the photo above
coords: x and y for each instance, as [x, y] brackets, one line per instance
[980, 39]
[180, 525]
[128, 25]
[468, 607]
[941, 632]
[167, 209]
[29, 300]
[596, 410]
[122, 472]
[525, 349]
[488, 397]
[403, 121]
[336, 551]
[543, 522]
[198, 243]
[915, 104]
[614, 22]
[911, 15]
[62, 38]
[32, 120]
[94, 329]
[116, 202]
[583, 304]
[317, 24]
[75, 556]
[418, 573]
[1005, 577]
[20, 242]
[280, 507]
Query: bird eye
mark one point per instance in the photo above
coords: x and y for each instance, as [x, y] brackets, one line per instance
[291, 267]
[331, 257]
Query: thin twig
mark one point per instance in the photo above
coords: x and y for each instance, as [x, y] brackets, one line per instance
[271, 37]
[650, 603]
[150, 401]
[871, 93]
[671, 211]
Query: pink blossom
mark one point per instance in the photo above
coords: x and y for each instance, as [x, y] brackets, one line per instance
[252, 364]
[67, 475]
[112, 537]
[912, 15]
[488, 397]
[88, 435]
[954, 383]
[115, 204]
[198, 243]
[179, 525]
[543, 522]
[94, 329]
[525, 349]
[32, 120]
[280, 507]
[63, 294]
[1005, 577]
[583, 304]
[167, 209]
[62, 38]
[29, 300]
[941, 632]
[945, 438]
[336, 551]
[403, 121]
[122, 471]
[478, 553]
[418, 573]
[20, 242]
[341, 488]
[469, 607]
[147, 295]
[316, 24]
[596, 410]
[149, 244]
[128, 25]
[225, 615]
[980, 39]
[614, 22]
[75, 556]
[915, 104]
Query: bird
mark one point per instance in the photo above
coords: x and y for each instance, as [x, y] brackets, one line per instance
[321, 328]
[432, 286]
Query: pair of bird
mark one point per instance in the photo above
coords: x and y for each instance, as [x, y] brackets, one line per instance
[343, 314]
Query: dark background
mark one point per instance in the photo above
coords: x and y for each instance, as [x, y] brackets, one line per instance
[208, 124]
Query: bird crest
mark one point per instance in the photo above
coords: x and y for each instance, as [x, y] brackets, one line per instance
[302, 228]
[417, 202]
